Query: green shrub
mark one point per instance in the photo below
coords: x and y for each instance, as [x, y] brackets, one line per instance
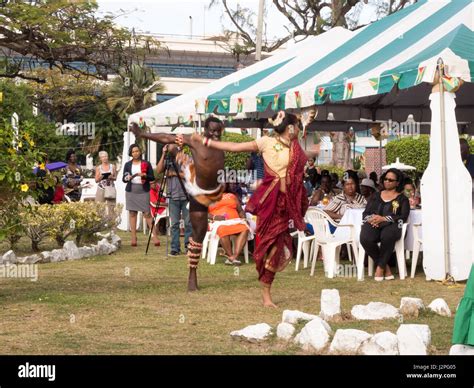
[338, 170]
[38, 221]
[91, 217]
[234, 160]
[11, 223]
[410, 150]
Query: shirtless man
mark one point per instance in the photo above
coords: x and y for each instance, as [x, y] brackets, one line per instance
[200, 181]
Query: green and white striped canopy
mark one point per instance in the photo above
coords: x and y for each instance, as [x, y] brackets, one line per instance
[400, 50]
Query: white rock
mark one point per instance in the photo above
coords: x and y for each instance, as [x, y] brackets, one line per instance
[105, 248]
[439, 306]
[58, 255]
[9, 257]
[293, 316]
[380, 344]
[315, 335]
[461, 350]
[115, 240]
[46, 255]
[330, 304]
[253, 333]
[285, 331]
[72, 251]
[33, 259]
[106, 235]
[411, 307]
[413, 339]
[86, 251]
[412, 301]
[348, 341]
[374, 311]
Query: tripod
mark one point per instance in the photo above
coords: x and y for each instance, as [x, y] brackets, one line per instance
[169, 162]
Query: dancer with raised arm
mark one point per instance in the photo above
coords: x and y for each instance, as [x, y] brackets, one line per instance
[201, 173]
[280, 202]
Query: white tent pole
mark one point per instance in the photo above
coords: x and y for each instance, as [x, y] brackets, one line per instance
[258, 48]
[443, 168]
[199, 124]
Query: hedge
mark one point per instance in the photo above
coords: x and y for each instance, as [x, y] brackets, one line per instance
[412, 151]
[236, 160]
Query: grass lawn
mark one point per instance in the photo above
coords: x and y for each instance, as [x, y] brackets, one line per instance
[91, 306]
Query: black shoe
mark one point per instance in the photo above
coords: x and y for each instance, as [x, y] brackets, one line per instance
[174, 253]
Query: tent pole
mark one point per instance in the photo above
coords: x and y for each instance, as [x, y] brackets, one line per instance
[380, 156]
[443, 169]
[199, 124]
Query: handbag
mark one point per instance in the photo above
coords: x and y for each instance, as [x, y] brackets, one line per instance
[100, 194]
[110, 192]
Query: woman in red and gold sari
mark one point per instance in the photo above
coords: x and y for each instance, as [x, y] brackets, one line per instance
[280, 202]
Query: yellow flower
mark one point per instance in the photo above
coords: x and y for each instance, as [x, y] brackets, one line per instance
[24, 187]
[32, 143]
[42, 166]
[395, 206]
[20, 144]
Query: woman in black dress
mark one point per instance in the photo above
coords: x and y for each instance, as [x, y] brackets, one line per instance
[384, 217]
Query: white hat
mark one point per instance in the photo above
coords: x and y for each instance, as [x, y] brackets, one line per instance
[369, 183]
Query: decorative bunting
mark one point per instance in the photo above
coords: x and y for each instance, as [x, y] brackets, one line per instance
[207, 106]
[276, 98]
[141, 123]
[421, 73]
[451, 84]
[298, 99]
[349, 92]
[321, 92]
[196, 105]
[396, 78]
[374, 82]
[224, 103]
[240, 105]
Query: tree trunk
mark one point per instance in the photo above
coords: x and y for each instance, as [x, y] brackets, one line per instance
[341, 151]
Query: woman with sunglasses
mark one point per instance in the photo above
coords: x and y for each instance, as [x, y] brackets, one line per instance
[384, 217]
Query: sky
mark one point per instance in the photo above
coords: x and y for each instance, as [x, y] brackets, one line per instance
[172, 16]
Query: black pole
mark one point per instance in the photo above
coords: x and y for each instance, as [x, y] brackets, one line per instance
[157, 205]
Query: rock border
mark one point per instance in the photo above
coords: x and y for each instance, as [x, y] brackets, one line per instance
[109, 243]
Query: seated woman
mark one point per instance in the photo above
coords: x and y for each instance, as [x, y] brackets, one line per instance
[325, 193]
[228, 208]
[156, 208]
[348, 199]
[410, 192]
[383, 220]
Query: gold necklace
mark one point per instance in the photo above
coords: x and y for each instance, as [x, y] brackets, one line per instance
[279, 146]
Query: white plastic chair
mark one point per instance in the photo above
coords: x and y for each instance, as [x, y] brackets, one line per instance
[304, 244]
[210, 244]
[399, 251]
[327, 241]
[89, 189]
[165, 214]
[417, 241]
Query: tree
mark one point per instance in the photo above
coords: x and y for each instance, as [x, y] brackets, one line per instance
[305, 17]
[132, 91]
[19, 97]
[67, 35]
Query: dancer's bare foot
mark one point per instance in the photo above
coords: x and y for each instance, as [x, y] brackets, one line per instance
[267, 297]
[192, 280]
